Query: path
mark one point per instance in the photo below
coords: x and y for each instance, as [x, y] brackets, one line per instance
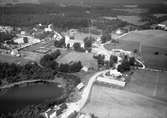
[22, 82]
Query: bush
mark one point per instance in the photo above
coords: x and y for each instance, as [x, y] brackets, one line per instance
[88, 42]
[106, 37]
[60, 43]
[125, 66]
[77, 47]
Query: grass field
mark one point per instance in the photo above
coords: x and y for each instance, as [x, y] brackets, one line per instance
[152, 84]
[153, 38]
[86, 59]
[155, 61]
[131, 19]
[107, 102]
[152, 41]
[123, 44]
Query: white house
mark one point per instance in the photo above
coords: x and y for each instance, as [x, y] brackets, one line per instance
[85, 68]
[70, 42]
[80, 86]
[15, 52]
[57, 36]
[49, 28]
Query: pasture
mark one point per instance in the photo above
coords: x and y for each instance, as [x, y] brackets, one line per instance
[135, 20]
[85, 58]
[149, 83]
[153, 38]
[107, 102]
[151, 41]
[123, 44]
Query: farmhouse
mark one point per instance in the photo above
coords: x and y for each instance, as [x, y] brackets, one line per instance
[112, 77]
[26, 39]
[70, 42]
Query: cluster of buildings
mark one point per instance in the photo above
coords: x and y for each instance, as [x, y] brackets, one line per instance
[161, 26]
[6, 29]
[25, 37]
[112, 77]
[57, 110]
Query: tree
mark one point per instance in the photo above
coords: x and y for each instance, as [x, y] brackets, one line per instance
[132, 61]
[114, 58]
[60, 43]
[88, 42]
[125, 66]
[105, 37]
[100, 60]
[135, 51]
[77, 46]
[25, 39]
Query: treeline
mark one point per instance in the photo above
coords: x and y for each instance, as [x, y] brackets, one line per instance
[49, 61]
[20, 20]
[14, 73]
[109, 25]
[68, 10]
[5, 36]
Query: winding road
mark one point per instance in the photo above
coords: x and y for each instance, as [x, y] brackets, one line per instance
[77, 106]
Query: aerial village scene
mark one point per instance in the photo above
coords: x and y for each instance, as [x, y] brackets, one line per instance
[83, 59]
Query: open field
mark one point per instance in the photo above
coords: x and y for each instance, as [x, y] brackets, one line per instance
[152, 84]
[155, 61]
[151, 41]
[86, 59]
[153, 38]
[148, 53]
[123, 44]
[132, 11]
[135, 20]
[13, 59]
[114, 103]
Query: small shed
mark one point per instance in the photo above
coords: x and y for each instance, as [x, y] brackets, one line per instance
[85, 68]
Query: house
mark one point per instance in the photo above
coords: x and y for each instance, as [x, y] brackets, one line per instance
[85, 116]
[70, 42]
[85, 68]
[56, 111]
[80, 86]
[57, 36]
[112, 77]
[72, 32]
[49, 28]
[26, 39]
[15, 52]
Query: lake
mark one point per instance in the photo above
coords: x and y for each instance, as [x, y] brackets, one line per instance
[19, 97]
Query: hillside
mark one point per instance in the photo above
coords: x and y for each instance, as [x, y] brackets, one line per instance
[83, 2]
